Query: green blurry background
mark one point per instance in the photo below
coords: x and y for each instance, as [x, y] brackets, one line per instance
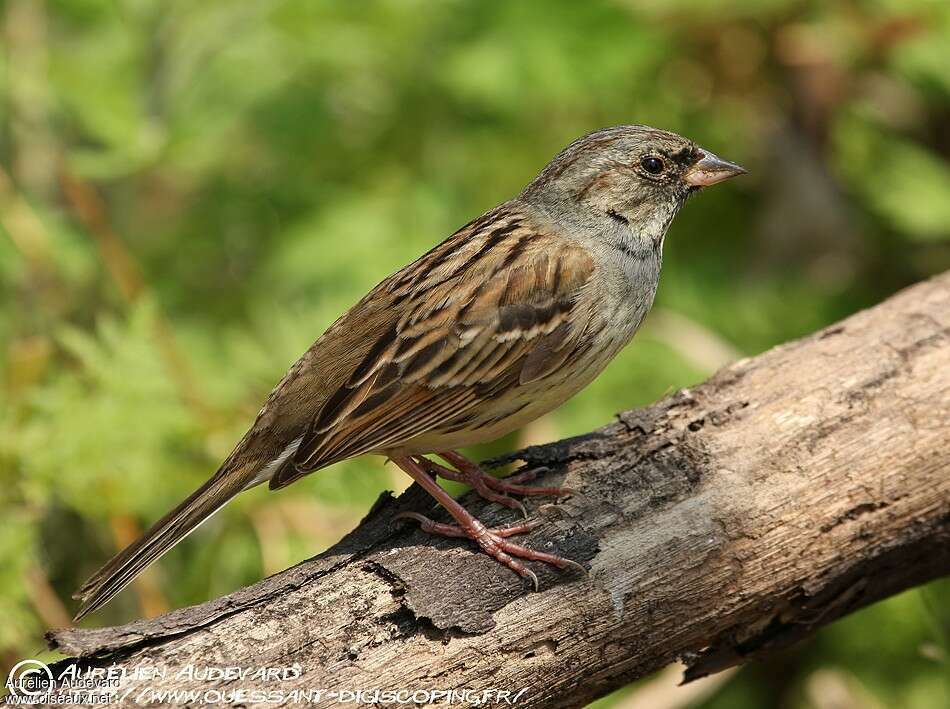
[190, 192]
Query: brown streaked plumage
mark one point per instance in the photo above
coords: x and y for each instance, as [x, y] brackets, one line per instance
[500, 323]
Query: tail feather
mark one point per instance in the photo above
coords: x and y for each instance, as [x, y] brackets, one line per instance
[162, 536]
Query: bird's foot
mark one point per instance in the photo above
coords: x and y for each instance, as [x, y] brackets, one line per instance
[494, 542]
[477, 482]
[512, 484]
[492, 488]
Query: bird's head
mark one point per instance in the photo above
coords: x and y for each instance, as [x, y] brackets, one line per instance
[636, 175]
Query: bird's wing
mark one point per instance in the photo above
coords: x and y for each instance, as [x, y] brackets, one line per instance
[493, 308]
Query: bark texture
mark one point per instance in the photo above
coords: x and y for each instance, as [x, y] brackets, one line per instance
[720, 524]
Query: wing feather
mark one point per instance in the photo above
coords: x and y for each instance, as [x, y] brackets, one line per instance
[495, 314]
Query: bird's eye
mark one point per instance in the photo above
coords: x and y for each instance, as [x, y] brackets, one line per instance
[652, 164]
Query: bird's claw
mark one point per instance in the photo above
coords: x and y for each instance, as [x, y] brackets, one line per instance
[494, 542]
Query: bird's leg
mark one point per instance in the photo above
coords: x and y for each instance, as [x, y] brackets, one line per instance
[476, 482]
[492, 541]
[506, 486]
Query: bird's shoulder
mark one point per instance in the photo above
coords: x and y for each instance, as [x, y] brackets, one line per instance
[512, 254]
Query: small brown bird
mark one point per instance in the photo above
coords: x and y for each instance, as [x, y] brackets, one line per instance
[500, 323]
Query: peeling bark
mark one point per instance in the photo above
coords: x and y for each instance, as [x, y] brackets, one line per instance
[719, 525]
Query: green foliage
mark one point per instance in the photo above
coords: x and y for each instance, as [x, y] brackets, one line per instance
[191, 192]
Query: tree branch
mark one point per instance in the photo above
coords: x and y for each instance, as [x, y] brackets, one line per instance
[720, 524]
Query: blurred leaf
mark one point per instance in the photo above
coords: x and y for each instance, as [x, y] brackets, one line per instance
[903, 182]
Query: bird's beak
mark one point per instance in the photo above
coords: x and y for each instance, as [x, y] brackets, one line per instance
[710, 169]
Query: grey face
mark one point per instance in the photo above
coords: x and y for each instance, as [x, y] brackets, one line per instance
[634, 174]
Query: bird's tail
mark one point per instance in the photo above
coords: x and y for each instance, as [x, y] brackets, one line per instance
[161, 537]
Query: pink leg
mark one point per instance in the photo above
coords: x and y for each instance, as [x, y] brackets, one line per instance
[510, 485]
[492, 541]
[477, 483]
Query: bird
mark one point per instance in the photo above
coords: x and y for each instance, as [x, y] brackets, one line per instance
[498, 324]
